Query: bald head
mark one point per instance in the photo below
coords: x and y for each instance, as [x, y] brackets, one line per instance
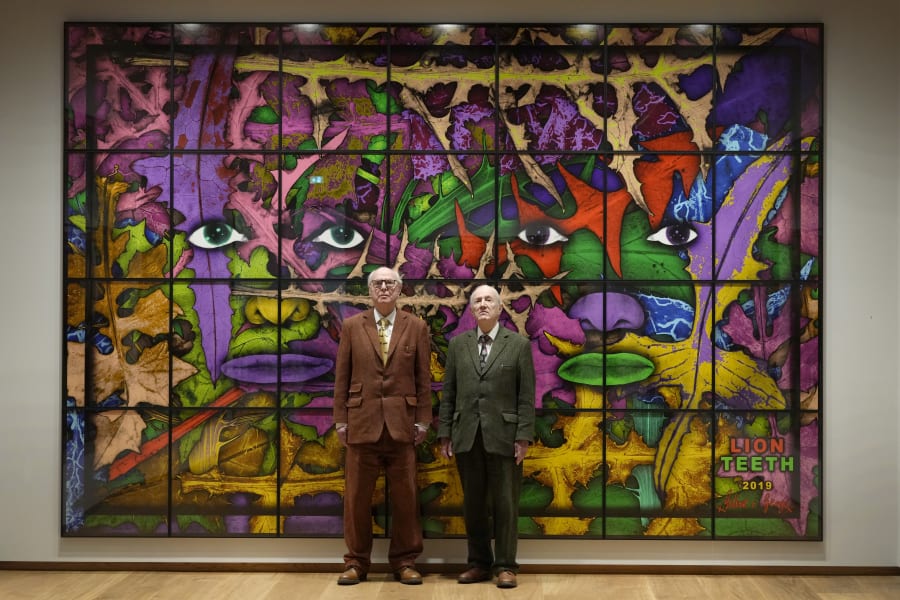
[485, 306]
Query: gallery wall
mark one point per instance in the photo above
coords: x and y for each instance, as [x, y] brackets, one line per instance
[861, 418]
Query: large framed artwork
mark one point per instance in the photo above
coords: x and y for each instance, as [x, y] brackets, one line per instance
[646, 198]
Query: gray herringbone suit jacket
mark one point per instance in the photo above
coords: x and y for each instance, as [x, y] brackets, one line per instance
[500, 399]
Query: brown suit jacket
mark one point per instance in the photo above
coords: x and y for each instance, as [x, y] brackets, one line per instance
[370, 395]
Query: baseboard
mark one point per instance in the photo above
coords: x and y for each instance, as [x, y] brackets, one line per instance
[259, 567]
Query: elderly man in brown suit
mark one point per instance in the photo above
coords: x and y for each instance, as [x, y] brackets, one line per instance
[487, 421]
[382, 408]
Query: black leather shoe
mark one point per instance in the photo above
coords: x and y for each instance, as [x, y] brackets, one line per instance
[351, 576]
[474, 575]
[408, 576]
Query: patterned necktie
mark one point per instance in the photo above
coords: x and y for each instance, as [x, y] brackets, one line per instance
[485, 340]
[383, 324]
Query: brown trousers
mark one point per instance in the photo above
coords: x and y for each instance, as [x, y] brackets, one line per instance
[362, 466]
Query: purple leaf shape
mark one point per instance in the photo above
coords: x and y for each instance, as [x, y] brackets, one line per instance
[738, 221]
[547, 360]
[143, 206]
[741, 329]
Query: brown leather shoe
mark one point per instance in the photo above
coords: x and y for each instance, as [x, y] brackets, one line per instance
[506, 579]
[351, 576]
[408, 576]
[474, 575]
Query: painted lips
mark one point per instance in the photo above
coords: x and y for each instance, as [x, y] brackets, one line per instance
[263, 368]
[605, 369]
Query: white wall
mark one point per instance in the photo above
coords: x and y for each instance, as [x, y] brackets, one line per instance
[862, 194]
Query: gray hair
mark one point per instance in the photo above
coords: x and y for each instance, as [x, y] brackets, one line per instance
[495, 293]
[394, 272]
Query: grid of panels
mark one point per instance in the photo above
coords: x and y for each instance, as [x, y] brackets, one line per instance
[646, 198]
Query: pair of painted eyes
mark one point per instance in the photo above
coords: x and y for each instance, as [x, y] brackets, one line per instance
[217, 235]
[539, 234]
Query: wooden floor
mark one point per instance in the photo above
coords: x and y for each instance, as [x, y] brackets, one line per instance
[156, 585]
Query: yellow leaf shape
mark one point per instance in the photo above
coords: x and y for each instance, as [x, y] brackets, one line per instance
[563, 347]
[218, 433]
[810, 310]
[564, 526]
[147, 380]
[244, 455]
[108, 191]
[437, 369]
[562, 469]
[75, 372]
[313, 457]
[689, 483]
[623, 458]
[740, 378]
[674, 527]
[117, 431]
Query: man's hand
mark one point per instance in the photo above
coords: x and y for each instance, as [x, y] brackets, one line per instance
[446, 448]
[420, 433]
[342, 434]
[521, 450]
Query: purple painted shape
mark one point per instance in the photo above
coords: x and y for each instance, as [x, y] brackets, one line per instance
[555, 322]
[809, 364]
[621, 312]
[760, 85]
[319, 514]
[322, 420]
[547, 360]
[263, 368]
[736, 223]
[238, 523]
[418, 261]
[201, 191]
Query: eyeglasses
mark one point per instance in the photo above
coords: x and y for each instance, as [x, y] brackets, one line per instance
[384, 283]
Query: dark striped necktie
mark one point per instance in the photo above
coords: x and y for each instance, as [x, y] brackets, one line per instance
[485, 339]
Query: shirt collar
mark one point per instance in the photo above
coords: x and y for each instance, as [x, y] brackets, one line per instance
[493, 332]
[390, 317]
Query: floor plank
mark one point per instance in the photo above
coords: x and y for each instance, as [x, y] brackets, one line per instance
[164, 585]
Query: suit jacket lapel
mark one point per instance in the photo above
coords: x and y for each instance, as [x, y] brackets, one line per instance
[472, 349]
[497, 347]
[401, 320]
[372, 332]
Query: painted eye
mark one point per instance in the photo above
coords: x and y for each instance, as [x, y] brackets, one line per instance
[340, 236]
[679, 234]
[540, 234]
[215, 235]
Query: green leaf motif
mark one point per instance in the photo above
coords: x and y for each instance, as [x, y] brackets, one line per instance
[534, 495]
[265, 115]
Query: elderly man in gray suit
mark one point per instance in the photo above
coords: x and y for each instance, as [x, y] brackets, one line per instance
[487, 421]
